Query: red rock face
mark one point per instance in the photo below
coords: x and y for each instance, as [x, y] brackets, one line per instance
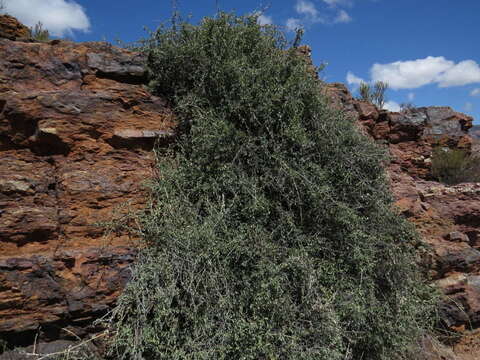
[447, 217]
[11, 28]
[409, 135]
[76, 130]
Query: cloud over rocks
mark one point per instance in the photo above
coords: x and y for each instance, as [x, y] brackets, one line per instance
[416, 73]
[60, 17]
[352, 79]
[392, 106]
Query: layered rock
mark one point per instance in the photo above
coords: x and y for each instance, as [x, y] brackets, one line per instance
[76, 130]
[475, 134]
[11, 28]
[410, 135]
[447, 217]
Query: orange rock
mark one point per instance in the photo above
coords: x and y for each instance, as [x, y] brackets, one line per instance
[11, 28]
[447, 217]
[76, 132]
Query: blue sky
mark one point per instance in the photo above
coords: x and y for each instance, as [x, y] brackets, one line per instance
[427, 50]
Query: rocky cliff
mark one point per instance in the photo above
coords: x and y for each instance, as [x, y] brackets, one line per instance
[475, 134]
[77, 127]
[76, 130]
[447, 217]
[475, 131]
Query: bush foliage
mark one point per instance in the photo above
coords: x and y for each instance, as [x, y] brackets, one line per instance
[454, 166]
[375, 94]
[39, 33]
[271, 232]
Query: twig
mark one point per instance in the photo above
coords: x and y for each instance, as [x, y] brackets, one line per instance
[69, 349]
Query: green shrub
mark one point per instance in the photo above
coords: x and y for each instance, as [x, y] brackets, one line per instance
[271, 232]
[454, 166]
[39, 33]
[375, 95]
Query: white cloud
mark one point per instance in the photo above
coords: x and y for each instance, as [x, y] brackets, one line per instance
[337, 2]
[416, 73]
[304, 7]
[308, 13]
[392, 106]
[353, 79]
[411, 96]
[410, 74]
[465, 72]
[475, 92]
[468, 106]
[265, 20]
[60, 17]
[343, 17]
[293, 24]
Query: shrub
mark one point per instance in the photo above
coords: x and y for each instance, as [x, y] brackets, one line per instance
[375, 95]
[39, 33]
[270, 232]
[454, 166]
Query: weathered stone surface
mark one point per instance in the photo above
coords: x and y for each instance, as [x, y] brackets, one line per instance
[475, 134]
[76, 130]
[447, 217]
[411, 134]
[11, 28]
[340, 97]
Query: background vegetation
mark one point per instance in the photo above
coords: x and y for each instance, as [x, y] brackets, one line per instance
[454, 166]
[270, 232]
[374, 94]
[39, 33]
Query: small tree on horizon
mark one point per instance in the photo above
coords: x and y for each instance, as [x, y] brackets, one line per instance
[39, 33]
[375, 95]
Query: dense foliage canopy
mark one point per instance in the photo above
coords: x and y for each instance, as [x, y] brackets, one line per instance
[270, 233]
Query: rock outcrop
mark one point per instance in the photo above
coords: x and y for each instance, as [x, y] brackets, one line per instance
[447, 217]
[475, 132]
[76, 130]
[12, 29]
[410, 135]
